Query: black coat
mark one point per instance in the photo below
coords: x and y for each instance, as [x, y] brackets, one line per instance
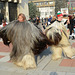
[72, 25]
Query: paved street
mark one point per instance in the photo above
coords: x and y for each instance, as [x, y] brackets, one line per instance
[45, 66]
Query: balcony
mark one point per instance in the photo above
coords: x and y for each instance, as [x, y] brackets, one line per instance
[45, 5]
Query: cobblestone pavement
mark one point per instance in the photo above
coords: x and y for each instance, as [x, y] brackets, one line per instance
[45, 66]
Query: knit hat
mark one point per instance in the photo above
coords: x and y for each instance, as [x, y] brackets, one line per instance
[59, 14]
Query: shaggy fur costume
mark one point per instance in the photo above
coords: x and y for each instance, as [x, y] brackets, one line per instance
[26, 39]
[59, 36]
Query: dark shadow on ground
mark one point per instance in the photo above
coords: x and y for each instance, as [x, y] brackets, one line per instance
[53, 73]
[45, 53]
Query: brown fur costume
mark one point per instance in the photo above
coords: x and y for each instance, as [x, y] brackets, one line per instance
[26, 39]
[58, 34]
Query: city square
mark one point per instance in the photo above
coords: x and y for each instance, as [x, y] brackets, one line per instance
[37, 37]
[45, 66]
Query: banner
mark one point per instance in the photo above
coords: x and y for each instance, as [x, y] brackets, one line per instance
[64, 11]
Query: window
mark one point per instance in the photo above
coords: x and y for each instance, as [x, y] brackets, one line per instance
[37, 4]
[46, 3]
[51, 7]
[1, 5]
[45, 13]
[50, 2]
[51, 13]
[42, 13]
[2, 11]
[42, 3]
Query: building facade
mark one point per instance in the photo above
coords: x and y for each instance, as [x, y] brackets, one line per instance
[9, 9]
[46, 7]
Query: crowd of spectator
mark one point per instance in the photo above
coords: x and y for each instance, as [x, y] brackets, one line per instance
[69, 22]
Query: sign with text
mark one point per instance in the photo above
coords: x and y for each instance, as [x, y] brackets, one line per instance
[64, 11]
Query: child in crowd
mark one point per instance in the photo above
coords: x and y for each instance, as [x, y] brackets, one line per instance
[4, 23]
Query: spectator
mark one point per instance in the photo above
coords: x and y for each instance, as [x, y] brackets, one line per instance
[21, 17]
[43, 25]
[49, 20]
[42, 21]
[69, 25]
[37, 20]
[4, 23]
[66, 21]
[30, 19]
[33, 20]
[53, 19]
[72, 24]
